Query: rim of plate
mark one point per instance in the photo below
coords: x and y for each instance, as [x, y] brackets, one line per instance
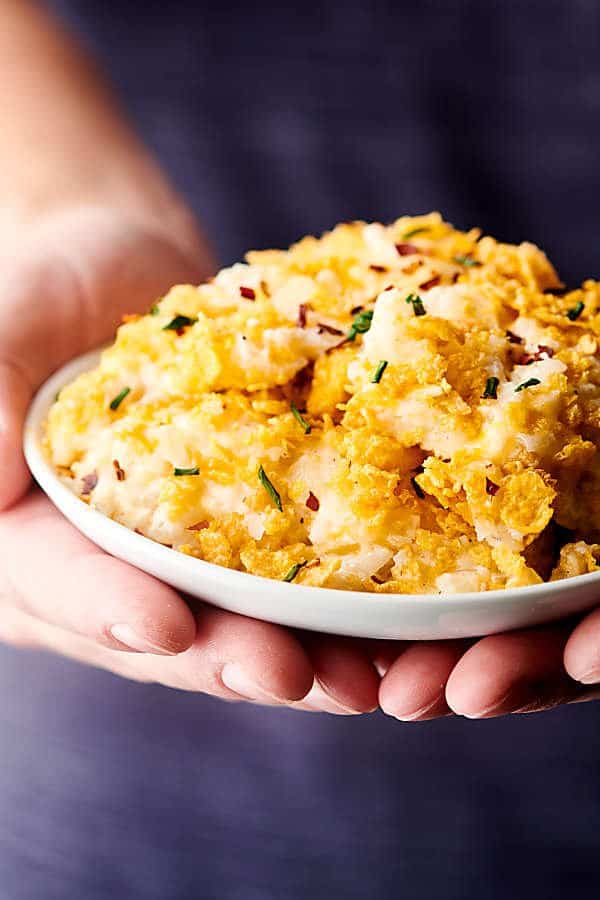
[49, 481]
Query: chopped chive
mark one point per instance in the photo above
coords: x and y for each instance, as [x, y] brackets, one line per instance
[294, 571]
[116, 402]
[269, 488]
[155, 309]
[417, 488]
[417, 304]
[466, 261]
[491, 388]
[576, 311]
[178, 323]
[379, 371]
[529, 383]
[361, 324]
[193, 470]
[300, 419]
[414, 231]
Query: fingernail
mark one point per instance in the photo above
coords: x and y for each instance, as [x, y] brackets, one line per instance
[237, 680]
[125, 635]
[592, 676]
[494, 708]
[418, 713]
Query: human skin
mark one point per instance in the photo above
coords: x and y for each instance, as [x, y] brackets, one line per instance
[90, 229]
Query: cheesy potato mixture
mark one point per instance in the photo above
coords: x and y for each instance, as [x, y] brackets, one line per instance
[405, 408]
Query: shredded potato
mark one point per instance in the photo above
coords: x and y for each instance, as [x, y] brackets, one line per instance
[402, 408]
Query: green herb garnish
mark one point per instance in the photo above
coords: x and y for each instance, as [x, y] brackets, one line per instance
[194, 470]
[529, 383]
[491, 388]
[576, 311]
[269, 488]
[466, 261]
[294, 571]
[300, 419]
[116, 402]
[155, 309]
[179, 323]
[361, 324]
[417, 304]
[379, 371]
[415, 231]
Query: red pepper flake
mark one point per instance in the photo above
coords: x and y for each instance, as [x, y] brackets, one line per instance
[119, 472]
[265, 288]
[89, 483]
[199, 526]
[301, 320]
[491, 488]
[406, 249]
[375, 268]
[328, 329]
[390, 287]
[431, 283]
[513, 338]
[455, 277]
[248, 293]
[312, 502]
[541, 352]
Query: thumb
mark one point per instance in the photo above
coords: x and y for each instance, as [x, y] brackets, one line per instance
[64, 293]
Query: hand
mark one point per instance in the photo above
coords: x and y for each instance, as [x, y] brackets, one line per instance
[64, 286]
[521, 671]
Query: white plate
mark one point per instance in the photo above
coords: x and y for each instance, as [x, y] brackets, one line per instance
[396, 616]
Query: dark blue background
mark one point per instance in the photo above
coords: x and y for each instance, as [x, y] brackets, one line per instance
[274, 122]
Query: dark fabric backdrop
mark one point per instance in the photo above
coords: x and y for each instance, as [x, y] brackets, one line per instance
[276, 120]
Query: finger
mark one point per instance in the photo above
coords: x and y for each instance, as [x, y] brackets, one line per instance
[413, 688]
[346, 681]
[53, 309]
[263, 663]
[236, 657]
[62, 578]
[582, 652]
[514, 672]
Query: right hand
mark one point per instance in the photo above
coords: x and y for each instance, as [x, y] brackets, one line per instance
[64, 284]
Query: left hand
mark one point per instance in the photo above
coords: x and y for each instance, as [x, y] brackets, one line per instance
[521, 671]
